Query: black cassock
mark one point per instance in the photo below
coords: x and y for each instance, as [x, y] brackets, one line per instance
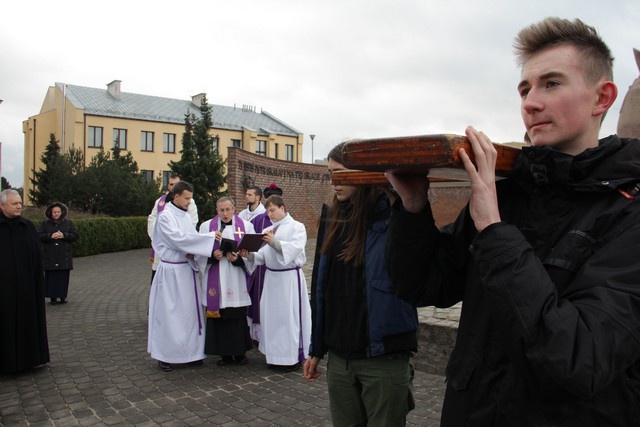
[228, 335]
[23, 329]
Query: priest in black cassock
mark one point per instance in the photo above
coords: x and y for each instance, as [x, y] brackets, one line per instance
[23, 329]
[225, 280]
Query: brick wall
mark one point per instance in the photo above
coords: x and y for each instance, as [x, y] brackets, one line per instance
[306, 187]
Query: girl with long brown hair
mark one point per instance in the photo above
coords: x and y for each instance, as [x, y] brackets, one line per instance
[367, 331]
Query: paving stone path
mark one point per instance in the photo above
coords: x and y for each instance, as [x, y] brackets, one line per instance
[101, 374]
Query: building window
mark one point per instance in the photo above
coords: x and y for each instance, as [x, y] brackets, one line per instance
[275, 151]
[169, 143]
[95, 136]
[120, 138]
[165, 178]
[216, 143]
[236, 143]
[147, 174]
[289, 152]
[146, 141]
[261, 147]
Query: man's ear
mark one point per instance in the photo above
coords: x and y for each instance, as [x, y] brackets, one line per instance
[607, 94]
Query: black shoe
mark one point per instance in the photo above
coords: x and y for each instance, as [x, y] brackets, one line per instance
[294, 368]
[241, 360]
[54, 301]
[286, 368]
[166, 367]
[224, 360]
[195, 363]
[63, 300]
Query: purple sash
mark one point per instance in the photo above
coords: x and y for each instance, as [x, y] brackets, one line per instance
[161, 204]
[213, 280]
[301, 356]
[256, 281]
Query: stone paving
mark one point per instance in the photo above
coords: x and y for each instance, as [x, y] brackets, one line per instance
[101, 374]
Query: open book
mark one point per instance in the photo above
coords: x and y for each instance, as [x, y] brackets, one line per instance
[251, 242]
[228, 245]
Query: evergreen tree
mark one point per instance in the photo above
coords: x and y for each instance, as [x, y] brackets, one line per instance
[48, 180]
[87, 195]
[75, 160]
[113, 185]
[5, 184]
[51, 151]
[72, 162]
[58, 181]
[184, 167]
[200, 162]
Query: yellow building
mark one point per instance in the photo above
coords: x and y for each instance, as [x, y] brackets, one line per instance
[149, 127]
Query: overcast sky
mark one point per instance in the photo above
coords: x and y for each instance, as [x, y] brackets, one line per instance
[339, 69]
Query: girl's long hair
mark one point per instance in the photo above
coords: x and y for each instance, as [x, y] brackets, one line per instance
[357, 219]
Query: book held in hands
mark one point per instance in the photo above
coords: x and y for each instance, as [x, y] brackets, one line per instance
[251, 242]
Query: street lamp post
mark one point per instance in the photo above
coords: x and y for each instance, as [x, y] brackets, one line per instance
[312, 137]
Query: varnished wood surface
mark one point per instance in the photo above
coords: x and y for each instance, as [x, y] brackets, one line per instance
[358, 177]
[436, 155]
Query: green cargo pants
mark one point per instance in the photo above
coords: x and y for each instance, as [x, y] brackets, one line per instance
[370, 392]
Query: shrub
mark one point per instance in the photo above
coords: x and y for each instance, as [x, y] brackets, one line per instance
[102, 235]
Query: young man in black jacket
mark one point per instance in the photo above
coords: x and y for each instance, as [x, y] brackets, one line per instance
[546, 260]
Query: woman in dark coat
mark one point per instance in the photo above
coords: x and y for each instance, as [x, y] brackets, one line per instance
[56, 235]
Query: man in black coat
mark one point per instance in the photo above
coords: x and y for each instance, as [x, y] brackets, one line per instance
[546, 261]
[23, 329]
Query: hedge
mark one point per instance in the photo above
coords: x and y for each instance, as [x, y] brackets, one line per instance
[102, 235]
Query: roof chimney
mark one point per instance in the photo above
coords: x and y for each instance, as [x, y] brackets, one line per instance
[197, 99]
[114, 88]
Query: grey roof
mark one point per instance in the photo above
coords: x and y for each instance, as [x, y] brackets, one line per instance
[157, 109]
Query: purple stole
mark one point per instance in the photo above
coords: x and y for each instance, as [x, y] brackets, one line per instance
[161, 204]
[213, 280]
[260, 222]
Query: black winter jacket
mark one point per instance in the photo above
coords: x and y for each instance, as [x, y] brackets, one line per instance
[57, 252]
[550, 328]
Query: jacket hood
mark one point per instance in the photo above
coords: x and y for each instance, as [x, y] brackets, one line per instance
[60, 205]
[613, 163]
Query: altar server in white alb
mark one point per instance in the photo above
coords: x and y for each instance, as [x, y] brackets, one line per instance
[158, 207]
[285, 312]
[225, 279]
[253, 198]
[176, 325]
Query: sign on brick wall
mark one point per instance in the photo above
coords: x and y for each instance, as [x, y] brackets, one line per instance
[306, 187]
